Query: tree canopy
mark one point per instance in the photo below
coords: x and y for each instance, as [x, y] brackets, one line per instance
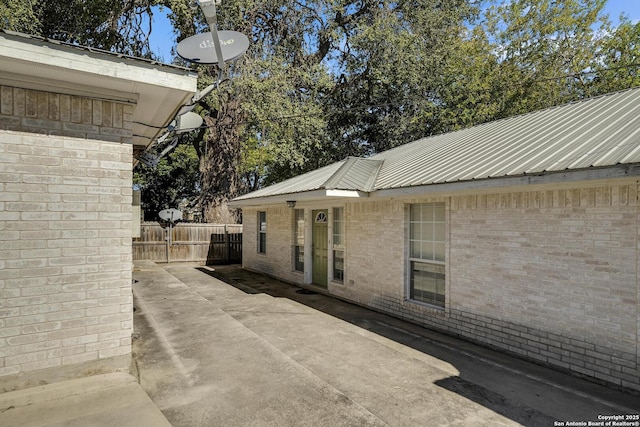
[327, 79]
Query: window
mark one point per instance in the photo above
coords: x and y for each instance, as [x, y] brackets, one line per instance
[338, 244]
[298, 240]
[427, 253]
[321, 217]
[262, 232]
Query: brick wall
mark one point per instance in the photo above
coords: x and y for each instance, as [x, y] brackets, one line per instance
[50, 113]
[277, 261]
[65, 231]
[550, 275]
[370, 225]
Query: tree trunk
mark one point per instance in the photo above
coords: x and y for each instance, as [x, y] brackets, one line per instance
[218, 164]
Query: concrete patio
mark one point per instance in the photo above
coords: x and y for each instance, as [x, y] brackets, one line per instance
[222, 346]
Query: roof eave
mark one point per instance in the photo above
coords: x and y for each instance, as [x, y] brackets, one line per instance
[307, 196]
[157, 89]
[481, 185]
[525, 180]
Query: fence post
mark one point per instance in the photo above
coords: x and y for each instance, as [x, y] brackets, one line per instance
[169, 232]
[227, 245]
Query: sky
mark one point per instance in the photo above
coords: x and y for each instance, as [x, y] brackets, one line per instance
[162, 38]
[629, 7]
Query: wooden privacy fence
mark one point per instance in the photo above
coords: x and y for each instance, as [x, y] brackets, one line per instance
[209, 243]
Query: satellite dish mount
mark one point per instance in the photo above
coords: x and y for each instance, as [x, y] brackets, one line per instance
[170, 216]
[215, 47]
[209, 9]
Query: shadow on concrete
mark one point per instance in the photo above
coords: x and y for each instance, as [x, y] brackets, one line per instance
[236, 282]
[410, 335]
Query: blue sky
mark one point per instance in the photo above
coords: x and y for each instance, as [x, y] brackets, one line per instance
[629, 7]
[162, 38]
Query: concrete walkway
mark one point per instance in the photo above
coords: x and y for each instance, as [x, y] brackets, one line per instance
[101, 400]
[226, 347]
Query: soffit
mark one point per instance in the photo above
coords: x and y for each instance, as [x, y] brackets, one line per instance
[158, 90]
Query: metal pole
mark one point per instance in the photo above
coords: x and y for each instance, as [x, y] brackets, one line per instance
[209, 9]
[170, 231]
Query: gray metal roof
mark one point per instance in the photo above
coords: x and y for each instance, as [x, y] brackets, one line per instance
[596, 132]
[353, 173]
[309, 181]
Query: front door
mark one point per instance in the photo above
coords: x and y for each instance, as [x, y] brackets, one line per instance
[320, 247]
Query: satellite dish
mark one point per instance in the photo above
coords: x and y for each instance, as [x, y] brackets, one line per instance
[202, 50]
[170, 215]
[188, 122]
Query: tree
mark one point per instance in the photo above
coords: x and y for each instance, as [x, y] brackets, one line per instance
[285, 129]
[616, 64]
[543, 48]
[172, 184]
[260, 108]
[18, 15]
[116, 25]
[392, 63]
[323, 80]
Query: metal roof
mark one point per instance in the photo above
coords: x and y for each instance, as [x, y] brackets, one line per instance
[600, 131]
[591, 133]
[353, 173]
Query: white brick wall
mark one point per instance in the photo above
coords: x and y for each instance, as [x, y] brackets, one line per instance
[551, 275]
[65, 236]
[277, 261]
[565, 262]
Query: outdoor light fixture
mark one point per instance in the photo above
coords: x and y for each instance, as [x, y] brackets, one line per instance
[291, 203]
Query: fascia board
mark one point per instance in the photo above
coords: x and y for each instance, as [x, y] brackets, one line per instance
[568, 178]
[67, 62]
[157, 90]
[278, 199]
[309, 196]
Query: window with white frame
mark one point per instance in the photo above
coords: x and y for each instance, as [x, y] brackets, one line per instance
[262, 232]
[338, 244]
[298, 240]
[427, 234]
